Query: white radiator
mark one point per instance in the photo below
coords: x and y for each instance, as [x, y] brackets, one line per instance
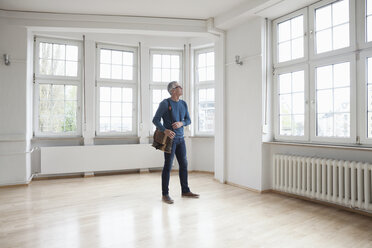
[71, 159]
[346, 183]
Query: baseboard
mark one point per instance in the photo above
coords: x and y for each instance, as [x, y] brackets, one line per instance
[243, 187]
[328, 204]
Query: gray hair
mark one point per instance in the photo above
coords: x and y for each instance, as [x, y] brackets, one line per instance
[171, 86]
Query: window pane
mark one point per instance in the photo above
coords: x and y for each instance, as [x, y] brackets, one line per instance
[342, 125]
[340, 12]
[115, 124]
[116, 94]
[128, 58]
[210, 59]
[127, 124]
[324, 41]
[45, 92]
[175, 75]
[45, 66]
[156, 96]
[117, 72]
[104, 109]
[70, 92]
[164, 94]
[116, 109]
[369, 123]
[127, 95]
[117, 57]
[297, 48]
[298, 81]
[369, 101]
[285, 83]
[156, 60]
[202, 95]
[323, 17]
[165, 61]
[369, 72]
[58, 67]
[45, 50]
[341, 74]
[165, 75]
[175, 61]
[59, 52]
[105, 93]
[105, 71]
[105, 56]
[369, 7]
[324, 101]
[210, 95]
[210, 73]
[325, 125]
[104, 124]
[284, 31]
[127, 110]
[369, 28]
[342, 100]
[72, 53]
[285, 104]
[324, 77]
[285, 125]
[127, 72]
[156, 75]
[284, 50]
[298, 105]
[297, 27]
[71, 69]
[202, 60]
[202, 74]
[58, 92]
[298, 125]
[341, 36]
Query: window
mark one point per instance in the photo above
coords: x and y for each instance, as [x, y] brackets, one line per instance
[290, 39]
[333, 100]
[166, 66]
[332, 26]
[316, 96]
[57, 87]
[116, 90]
[292, 103]
[204, 92]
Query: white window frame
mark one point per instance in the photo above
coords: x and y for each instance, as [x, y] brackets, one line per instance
[340, 59]
[297, 13]
[162, 85]
[362, 97]
[352, 31]
[56, 80]
[104, 82]
[294, 68]
[201, 85]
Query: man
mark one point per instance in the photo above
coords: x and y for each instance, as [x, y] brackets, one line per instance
[173, 128]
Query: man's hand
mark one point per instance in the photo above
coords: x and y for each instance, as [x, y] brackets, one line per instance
[169, 133]
[178, 124]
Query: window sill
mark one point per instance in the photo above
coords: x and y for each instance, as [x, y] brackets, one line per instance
[117, 137]
[334, 146]
[36, 138]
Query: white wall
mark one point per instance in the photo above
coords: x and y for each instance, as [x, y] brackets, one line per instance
[13, 102]
[244, 104]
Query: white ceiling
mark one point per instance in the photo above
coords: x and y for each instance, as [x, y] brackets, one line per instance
[191, 9]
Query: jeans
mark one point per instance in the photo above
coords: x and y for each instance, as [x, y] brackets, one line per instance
[178, 149]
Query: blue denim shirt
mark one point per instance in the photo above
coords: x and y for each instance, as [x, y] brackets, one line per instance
[179, 113]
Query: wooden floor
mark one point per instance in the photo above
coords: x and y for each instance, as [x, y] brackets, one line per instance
[126, 211]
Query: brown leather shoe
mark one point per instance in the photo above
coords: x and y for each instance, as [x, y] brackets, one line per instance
[190, 195]
[167, 199]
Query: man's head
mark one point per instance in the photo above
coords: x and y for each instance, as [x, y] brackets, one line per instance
[174, 88]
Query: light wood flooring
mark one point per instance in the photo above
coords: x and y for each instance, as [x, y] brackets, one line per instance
[127, 211]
